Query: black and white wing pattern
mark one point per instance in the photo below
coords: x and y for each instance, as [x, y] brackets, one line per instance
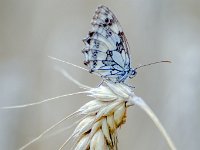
[106, 52]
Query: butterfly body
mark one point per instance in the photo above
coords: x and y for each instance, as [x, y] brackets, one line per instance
[107, 51]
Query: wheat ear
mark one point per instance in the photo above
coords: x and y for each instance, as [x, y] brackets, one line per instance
[104, 115]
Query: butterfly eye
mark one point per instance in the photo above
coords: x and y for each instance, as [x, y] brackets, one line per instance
[133, 73]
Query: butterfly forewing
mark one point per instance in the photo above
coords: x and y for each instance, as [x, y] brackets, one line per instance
[106, 52]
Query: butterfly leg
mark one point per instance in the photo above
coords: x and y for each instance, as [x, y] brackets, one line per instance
[123, 77]
[132, 87]
[100, 83]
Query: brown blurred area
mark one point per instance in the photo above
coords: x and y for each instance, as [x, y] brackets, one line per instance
[156, 30]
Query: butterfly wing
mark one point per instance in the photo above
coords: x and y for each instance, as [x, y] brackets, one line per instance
[106, 52]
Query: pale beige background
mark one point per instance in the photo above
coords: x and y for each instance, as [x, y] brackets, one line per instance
[30, 30]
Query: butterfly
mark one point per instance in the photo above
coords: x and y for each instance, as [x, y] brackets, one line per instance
[106, 48]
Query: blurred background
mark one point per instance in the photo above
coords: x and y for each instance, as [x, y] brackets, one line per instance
[156, 30]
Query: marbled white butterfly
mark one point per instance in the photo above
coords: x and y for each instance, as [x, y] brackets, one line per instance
[107, 51]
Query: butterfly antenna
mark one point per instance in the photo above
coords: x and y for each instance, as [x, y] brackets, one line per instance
[163, 61]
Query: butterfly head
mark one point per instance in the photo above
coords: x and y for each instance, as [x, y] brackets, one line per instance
[132, 73]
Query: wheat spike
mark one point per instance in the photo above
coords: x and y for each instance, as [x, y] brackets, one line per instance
[104, 115]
